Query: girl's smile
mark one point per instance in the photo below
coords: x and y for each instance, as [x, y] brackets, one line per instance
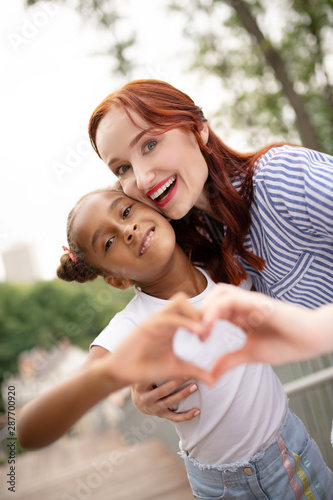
[165, 170]
[147, 241]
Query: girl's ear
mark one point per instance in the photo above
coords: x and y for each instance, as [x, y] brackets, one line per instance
[204, 132]
[116, 282]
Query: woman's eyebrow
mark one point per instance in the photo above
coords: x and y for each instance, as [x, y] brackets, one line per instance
[132, 144]
[99, 230]
[138, 137]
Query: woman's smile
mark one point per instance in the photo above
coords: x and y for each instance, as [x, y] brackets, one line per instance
[164, 191]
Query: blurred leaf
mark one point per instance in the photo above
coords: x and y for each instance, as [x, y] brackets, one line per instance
[45, 312]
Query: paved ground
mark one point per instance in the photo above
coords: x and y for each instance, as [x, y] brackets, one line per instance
[100, 467]
[136, 427]
[138, 460]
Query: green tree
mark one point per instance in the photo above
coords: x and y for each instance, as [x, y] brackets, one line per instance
[274, 56]
[46, 312]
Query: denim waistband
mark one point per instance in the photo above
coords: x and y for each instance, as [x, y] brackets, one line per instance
[267, 454]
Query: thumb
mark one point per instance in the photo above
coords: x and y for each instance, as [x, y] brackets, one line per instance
[194, 371]
[229, 361]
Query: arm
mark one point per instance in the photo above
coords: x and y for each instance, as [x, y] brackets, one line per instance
[298, 184]
[277, 332]
[49, 416]
[145, 355]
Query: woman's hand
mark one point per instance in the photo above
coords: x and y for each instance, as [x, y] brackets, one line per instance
[277, 332]
[147, 354]
[152, 400]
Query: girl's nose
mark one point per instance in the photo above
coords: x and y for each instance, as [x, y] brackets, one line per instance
[129, 232]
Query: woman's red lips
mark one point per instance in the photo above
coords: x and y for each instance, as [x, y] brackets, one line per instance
[165, 193]
[161, 187]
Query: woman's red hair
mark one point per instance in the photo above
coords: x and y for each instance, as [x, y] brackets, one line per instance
[164, 107]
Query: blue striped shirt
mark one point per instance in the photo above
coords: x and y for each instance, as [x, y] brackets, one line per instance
[292, 225]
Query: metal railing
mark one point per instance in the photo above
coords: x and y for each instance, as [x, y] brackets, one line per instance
[309, 382]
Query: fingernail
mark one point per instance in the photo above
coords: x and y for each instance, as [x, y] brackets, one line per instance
[197, 413]
[193, 388]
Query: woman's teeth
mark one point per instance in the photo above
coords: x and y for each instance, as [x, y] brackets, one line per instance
[163, 188]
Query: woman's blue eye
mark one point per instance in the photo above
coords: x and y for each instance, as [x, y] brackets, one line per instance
[149, 146]
[108, 243]
[122, 169]
[126, 212]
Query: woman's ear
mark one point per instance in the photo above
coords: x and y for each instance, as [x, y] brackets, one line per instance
[204, 132]
[116, 282]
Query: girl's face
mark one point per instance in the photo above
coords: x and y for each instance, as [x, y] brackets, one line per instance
[164, 170]
[125, 238]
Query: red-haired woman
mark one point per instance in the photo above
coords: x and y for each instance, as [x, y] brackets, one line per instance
[270, 213]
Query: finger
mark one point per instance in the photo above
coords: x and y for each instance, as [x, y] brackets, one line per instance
[195, 372]
[165, 390]
[194, 325]
[180, 417]
[206, 332]
[159, 397]
[141, 388]
[179, 304]
[229, 361]
[177, 397]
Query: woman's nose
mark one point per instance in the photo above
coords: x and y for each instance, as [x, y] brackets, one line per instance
[144, 178]
[129, 232]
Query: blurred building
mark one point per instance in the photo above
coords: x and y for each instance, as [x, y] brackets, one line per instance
[21, 264]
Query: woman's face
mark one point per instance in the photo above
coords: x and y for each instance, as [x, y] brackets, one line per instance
[125, 238]
[164, 170]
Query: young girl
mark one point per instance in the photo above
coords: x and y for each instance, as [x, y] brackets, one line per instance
[246, 443]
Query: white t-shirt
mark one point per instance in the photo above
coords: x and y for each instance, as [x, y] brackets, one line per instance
[240, 413]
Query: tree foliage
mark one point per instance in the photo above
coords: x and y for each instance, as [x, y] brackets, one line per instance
[46, 312]
[273, 60]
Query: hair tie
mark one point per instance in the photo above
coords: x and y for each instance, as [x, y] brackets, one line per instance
[70, 253]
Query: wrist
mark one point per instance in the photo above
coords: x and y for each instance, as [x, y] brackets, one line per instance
[106, 375]
[323, 328]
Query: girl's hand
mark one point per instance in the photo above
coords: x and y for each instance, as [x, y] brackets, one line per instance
[147, 354]
[152, 400]
[277, 332]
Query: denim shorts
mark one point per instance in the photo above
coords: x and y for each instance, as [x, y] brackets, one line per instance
[291, 467]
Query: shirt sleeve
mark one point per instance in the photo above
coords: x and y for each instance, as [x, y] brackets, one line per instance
[115, 332]
[297, 183]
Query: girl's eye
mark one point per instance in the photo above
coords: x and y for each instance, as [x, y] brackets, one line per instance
[122, 169]
[149, 146]
[108, 243]
[126, 212]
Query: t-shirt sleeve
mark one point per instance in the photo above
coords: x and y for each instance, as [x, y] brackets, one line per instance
[115, 332]
[297, 183]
